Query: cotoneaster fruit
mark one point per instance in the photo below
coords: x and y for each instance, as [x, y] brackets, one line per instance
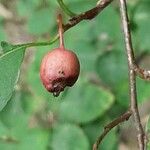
[59, 67]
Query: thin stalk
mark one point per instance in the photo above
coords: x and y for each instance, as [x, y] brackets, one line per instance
[60, 30]
[132, 74]
[65, 8]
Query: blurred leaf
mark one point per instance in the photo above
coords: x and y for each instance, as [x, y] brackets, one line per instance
[16, 134]
[112, 67]
[142, 19]
[12, 109]
[108, 28]
[121, 92]
[148, 133]
[2, 33]
[87, 55]
[79, 105]
[79, 34]
[69, 137]
[93, 130]
[26, 7]
[9, 66]
[41, 21]
[3, 129]
[79, 6]
[143, 88]
[122, 96]
[35, 139]
[28, 139]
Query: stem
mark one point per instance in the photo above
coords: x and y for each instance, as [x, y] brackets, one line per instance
[132, 73]
[110, 126]
[142, 73]
[87, 15]
[32, 44]
[60, 30]
[65, 8]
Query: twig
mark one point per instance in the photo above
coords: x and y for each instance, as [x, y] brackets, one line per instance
[88, 15]
[142, 73]
[132, 74]
[110, 126]
[65, 8]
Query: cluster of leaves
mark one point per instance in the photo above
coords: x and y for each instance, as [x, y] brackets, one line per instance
[33, 118]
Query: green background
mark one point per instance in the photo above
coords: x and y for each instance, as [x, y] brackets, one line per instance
[30, 117]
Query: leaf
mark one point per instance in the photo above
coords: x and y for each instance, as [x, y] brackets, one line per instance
[85, 102]
[15, 132]
[112, 67]
[2, 33]
[6, 46]
[148, 134]
[10, 64]
[69, 137]
[142, 19]
[12, 109]
[110, 28]
[79, 6]
[26, 8]
[143, 89]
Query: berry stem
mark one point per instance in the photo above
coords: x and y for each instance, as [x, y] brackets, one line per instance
[60, 30]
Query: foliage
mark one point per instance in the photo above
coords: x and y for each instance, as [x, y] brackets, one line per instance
[30, 117]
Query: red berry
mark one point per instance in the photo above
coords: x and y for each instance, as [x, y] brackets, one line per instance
[59, 68]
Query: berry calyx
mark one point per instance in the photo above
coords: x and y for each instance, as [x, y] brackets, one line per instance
[59, 67]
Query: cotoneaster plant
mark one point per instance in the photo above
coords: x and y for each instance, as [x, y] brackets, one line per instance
[60, 67]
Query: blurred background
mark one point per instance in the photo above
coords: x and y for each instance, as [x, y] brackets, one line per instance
[33, 119]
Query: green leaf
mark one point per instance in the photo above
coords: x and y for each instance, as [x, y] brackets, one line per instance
[6, 46]
[21, 138]
[69, 137]
[10, 64]
[142, 19]
[148, 133]
[112, 67]
[87, 55]
[143, 88]
[12, 109]
[121, 92]
[26, 7]
[79, 6]
[16, 132]
[106, 27]
[85, 102]
[2, 33]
